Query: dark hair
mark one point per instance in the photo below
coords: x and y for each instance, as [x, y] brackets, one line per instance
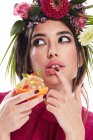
[23, 62]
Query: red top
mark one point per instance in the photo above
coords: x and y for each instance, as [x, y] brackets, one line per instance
[42, 125]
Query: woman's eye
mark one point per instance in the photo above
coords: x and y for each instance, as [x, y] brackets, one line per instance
[38, 42]
[64, 39]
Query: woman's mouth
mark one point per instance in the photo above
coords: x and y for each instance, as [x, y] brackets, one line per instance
[52, 66]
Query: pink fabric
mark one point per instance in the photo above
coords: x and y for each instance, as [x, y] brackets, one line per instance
[42, 125]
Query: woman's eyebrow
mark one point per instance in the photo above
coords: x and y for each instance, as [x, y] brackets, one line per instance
[59, 33]
[38, 34]
[64, 32]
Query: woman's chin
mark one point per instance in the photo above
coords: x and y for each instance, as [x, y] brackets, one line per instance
[52, 81]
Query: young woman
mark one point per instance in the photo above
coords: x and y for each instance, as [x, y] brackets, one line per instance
[46, 40]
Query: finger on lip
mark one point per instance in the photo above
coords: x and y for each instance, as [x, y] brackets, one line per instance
[63, 80]
[59, 74]
[57, 69]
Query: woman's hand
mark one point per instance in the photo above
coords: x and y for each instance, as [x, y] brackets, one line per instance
[14, 112]
[67, 107]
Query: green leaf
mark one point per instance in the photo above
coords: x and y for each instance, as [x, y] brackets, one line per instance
[73, 12]
[77, 1]
[17, 27]
[25, 75]
[90, 17]
[89, 6]
[11, 65]
[38, 72]
[34, 13]
[8, 48]
[91, 56]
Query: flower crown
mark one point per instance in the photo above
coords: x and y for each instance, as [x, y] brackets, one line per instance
[41, 10]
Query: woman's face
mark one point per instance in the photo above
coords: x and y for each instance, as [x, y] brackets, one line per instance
[53, 45]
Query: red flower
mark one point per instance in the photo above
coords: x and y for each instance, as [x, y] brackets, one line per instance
[22, 10]
[55, 10]
[80, 22]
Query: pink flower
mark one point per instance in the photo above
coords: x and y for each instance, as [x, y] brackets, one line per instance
[53, 10]
[80, 22]
[22, 10]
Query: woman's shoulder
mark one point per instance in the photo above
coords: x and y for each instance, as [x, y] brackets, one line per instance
[2, 95]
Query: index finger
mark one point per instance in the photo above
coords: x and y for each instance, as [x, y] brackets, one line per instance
[64, 81]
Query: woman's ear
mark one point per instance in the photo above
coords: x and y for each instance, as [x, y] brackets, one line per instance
[80, 60]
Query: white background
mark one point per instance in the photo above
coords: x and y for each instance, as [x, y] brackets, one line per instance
[6, 21]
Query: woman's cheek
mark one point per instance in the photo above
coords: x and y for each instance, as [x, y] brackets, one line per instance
[70, 60]
[71, 70]
[37, 61]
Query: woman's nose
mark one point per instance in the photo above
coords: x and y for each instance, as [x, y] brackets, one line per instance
[52, 53]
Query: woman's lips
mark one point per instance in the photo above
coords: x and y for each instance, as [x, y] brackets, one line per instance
[52, 65]
[55, 62]
[51, 71]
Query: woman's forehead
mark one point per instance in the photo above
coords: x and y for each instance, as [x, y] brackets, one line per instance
[49, 26]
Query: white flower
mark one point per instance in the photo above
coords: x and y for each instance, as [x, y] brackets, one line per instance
[86, 37]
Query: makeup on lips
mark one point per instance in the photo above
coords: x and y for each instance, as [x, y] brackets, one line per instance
[54, 65]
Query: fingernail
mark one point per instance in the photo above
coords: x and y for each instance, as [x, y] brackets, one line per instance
[44, 96]
[36, 91]
[56, 68]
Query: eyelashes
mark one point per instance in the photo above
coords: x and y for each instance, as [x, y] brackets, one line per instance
[38, 42]
[42, 42]
[64, 39]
